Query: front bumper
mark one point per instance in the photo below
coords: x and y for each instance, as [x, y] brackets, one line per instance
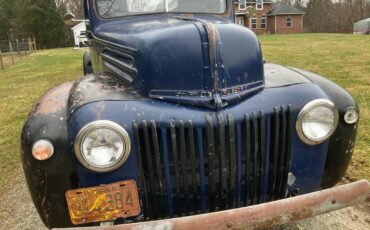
[264, 215]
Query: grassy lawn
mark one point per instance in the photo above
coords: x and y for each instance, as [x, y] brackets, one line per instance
[344, 59]
[21, 86]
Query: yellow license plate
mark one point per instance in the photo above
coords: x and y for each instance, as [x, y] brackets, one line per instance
[103, 203]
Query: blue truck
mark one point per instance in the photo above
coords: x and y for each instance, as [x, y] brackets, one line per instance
[179, 123]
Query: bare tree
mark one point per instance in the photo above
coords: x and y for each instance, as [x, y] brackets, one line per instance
[335, 15]
[73, 6]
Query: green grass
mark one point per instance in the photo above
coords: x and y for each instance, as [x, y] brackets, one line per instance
[21, 86]
[344, 59]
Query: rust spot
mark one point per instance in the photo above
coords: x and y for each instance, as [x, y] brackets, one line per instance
[301, 214]
[53, 101]
[99, 87]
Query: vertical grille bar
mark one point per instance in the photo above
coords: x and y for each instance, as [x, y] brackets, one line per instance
[263, 156]
[282, 153]
[143, 182]
[269, 143]
[288, 151]
[247, 147]
[201, 170]
[173, 139]
[211, 160]
[275, 155]
[232, 163]
[167, 172]
[150, 169]
[193, 159]
[223, 162]
[183, 168]
[256, 167]
[158, 165]
[239, 164]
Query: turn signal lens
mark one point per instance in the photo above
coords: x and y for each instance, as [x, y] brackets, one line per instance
[42, 150]
[351, 116]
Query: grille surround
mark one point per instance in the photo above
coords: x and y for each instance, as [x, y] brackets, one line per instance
[222, 164]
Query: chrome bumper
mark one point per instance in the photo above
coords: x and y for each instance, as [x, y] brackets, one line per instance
[263, 215]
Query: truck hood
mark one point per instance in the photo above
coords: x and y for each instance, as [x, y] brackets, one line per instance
[209, 62]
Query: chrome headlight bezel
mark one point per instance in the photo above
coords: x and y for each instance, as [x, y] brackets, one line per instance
[305, 110]
[102, 124]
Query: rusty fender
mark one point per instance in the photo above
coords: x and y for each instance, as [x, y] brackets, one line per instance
[263, 215]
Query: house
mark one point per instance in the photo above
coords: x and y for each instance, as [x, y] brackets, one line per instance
[268, 16]
[362, 27]
[79, 34]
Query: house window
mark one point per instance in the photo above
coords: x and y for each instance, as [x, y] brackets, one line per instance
[242, 4]
[239, 20]
[254, 22]
[289, 21]
[263, 22]
[259, 4]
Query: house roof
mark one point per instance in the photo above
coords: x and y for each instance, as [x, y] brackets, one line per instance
[365, 20]
[254, 1]
[280, 8]
[265, 1]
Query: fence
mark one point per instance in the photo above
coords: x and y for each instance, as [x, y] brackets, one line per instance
[13, 50]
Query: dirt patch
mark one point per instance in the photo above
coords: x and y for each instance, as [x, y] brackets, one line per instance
[17, 212]
[8, 61]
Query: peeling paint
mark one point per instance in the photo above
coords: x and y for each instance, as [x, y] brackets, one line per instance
[53, 101]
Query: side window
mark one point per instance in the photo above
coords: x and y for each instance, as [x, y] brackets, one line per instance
[254, 22]
[263, 22]
[242, 4]
[289, 21]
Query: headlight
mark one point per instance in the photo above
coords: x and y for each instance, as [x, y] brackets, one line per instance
[317, 121]
[102, 146]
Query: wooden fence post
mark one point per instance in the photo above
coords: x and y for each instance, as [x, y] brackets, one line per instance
[29, 44]
[1, 60]
[34, 43]
[11, 51]
[19, 50]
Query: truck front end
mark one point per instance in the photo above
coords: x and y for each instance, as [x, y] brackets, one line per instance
[182, 117]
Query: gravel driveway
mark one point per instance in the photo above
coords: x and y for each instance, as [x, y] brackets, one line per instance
[17, 212]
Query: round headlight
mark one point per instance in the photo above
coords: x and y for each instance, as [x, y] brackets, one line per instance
[317, 121]
[102, 146]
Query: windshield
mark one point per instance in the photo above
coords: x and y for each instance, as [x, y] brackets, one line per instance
[119, 8]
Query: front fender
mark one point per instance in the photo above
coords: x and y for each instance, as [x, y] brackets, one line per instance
[48, 180]
[341, 145]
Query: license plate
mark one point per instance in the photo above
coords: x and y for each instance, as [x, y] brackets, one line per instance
[103, 203]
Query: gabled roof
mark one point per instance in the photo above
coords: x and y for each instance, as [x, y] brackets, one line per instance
[365, 20]
[280, 8]
[264, 1]
[254, 1]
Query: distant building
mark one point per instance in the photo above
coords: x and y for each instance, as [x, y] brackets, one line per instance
[268, 16]
[362, 27]
[79, 34]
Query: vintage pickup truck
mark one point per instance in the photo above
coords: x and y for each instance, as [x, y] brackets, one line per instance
[179, 123]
